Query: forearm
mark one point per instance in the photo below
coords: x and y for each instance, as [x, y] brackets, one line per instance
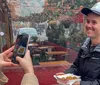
[73, 69]
[29, 79]
[3, 78]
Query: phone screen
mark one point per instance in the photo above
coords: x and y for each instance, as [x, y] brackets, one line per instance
[20, 46]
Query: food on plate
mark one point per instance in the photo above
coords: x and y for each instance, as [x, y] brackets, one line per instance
[69, 78]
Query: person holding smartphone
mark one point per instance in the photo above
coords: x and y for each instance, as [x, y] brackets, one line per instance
[29, 77]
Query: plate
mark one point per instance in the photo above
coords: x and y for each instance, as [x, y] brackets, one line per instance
[61, 79]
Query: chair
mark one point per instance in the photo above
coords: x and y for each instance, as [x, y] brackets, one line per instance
[36, 59]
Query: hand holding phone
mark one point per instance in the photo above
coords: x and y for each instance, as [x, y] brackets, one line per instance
[21, 46]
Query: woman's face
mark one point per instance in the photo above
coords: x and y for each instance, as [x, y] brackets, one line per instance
[92, 26]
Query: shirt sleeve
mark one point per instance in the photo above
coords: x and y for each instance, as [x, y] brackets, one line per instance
[3, 78]
[74, 69]
[29, 79]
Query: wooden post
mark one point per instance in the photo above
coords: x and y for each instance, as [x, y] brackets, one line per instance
[7, 31]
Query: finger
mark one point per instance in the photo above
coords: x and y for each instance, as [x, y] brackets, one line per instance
[9, 50]
[7, 59]
[60, 80]
[66, 81]
[19, 59]
[76, 83]
[10, 54]
[16, 65]
[27, 53]
[8, 64]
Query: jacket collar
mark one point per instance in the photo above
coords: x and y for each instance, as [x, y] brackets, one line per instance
[87, 43]
[97, 48]
[85, 46]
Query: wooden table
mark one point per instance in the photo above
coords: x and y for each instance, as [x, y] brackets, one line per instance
[33, 44]
[42, 47]
[56, 52]
[46, 47]
[55, 63]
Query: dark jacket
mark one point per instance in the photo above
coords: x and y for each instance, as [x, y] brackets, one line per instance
[87, 64]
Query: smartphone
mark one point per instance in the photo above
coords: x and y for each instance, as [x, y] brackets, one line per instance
[21, 45]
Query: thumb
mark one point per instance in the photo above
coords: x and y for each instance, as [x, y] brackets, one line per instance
[27, 53]
[19, 59]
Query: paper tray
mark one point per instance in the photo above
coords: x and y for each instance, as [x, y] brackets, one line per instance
[70, 82]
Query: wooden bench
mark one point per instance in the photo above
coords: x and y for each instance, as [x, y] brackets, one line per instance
[55, 63]
[56, 52]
